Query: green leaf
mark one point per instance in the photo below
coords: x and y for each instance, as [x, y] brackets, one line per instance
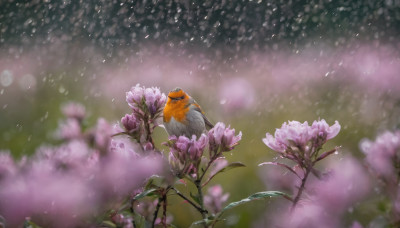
[202, 222]
[255, 196]
[108, 224]
[156, 181]
[30, 224]
[149, 192]
[226, 168]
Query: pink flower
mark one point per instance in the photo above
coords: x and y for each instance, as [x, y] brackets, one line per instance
[223, 137]
[74, 110]
[382, 153]
[299, 134]
[346, 184]
[134, 96]
[185, 154]
[130, 123]
[299, 141]
[290, 134]
[155, 100]
[323, 130]
[214, 199]
[330, 198]
[146, 100]
[102, 133]
[70, 129]
[7, 164]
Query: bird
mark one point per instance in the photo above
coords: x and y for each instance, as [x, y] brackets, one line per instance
[183, 116]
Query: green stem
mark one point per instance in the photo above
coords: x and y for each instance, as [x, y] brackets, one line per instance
[200, 192]
[301, 189]
[156, 213]
[189, 201]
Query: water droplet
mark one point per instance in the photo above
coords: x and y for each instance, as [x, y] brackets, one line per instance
[327, 73]
[61, 89]
[6, 78]
[223, 101]
[27, 81]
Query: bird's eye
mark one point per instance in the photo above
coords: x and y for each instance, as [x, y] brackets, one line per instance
[177, 98]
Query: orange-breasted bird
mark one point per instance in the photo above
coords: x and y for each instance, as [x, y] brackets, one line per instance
[183, 116]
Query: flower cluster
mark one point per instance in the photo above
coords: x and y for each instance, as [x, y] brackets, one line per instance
[383, 159]
[65, 185]
[215, 198]
[147, 105]
[223, 138]
[383, 155]
[74, 111]
[330, 198]
[185, 154]
[300, 142]
[146, 100]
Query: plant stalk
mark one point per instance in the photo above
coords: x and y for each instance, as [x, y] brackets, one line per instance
[301, 189]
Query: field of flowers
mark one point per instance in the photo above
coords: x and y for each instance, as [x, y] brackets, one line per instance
[306, 118]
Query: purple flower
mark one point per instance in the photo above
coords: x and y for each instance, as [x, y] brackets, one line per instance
[296, 134]
[214, 199]
[130, 123]
[345, 184]
[102, 133]
[185, 154]
[329, 198]
[323, 130]
[223, 137]
[7, 164]
[70, 129]
[383, 154]
[134, 96]
[155, 100]
[290, 134]
[218, 165]
[298, 141]
[124, 146]
[74, 110]
[143, 100]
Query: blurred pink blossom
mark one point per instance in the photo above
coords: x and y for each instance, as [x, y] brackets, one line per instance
[215, 199]
[329, 198]
[74, 110]
[346, 184]
[382, 154]
[7, 164]
[236, 94]
[63, 186]
[69, 129]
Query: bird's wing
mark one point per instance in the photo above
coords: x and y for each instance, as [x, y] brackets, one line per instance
[197, 107]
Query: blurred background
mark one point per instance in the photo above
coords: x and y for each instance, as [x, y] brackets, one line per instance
[253, 64]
